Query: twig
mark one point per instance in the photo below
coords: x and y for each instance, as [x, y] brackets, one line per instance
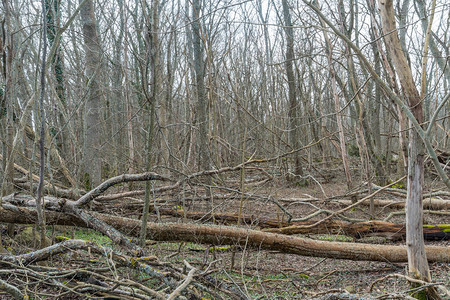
[10, 289]
[315, 265]
[350, 206]
[234, 282]
[185, 283]
[433, 212]
[423, 284]
[325, 276]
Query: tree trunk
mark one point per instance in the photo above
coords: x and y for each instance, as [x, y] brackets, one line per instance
[392, 231]
[337, 107]
[6, 109]
[128, 104]
[117, 103]
[92, 159]
[417, 258]
[202, 103]
[39, 193]
[53, 17]
[294, 138]
[435, 204]
[156, 77]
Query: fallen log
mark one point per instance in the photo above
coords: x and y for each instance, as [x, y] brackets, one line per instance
[358, 230]
[74, 207]
[433, 203]
[223, 235]
[392, 231]
[402, 192]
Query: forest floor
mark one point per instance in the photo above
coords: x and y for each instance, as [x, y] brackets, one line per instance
[271, 275]
[261, 274]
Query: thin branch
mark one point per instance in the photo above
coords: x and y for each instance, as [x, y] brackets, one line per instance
[12, 290]
[186, 282]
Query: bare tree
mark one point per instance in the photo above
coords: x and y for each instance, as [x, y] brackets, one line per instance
[294, 129]
[93, 56]
[202, 103]
[337, 107]
[417, 260]
[154, 54]
[39, 193]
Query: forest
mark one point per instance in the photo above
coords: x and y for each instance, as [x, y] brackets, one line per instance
[233, 149]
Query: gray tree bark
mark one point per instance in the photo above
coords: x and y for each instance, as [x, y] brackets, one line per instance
[294, 138]
[202, 100]
[417, 259]
[154, 52]
[92, 158]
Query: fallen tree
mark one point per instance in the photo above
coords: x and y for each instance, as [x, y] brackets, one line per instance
[20, 209]
[222, 235]
[433, 203]
[392, 231]
[100, 282]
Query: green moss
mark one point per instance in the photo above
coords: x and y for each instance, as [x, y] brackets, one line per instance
[303, 276]
[353, 150]
[211, 249]
[302, 183]
[444, 227]
[334, 238]
[400, 185]
[88, 235]
[133, 261]
[421, 295]
[86, 181]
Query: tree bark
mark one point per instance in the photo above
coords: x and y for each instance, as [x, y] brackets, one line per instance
[436, 204]
[202, 103]
[156, 80]
[417, 258]
[389, 230]
[92, 159]
[53, 17]
[39, 193]
[294, 138]
[337, 106]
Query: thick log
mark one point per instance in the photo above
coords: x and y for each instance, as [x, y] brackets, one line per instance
[220, 235]
[392, 231]
[434, 204]
[361, 229]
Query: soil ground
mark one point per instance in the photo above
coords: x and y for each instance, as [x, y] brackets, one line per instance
[263, 274]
